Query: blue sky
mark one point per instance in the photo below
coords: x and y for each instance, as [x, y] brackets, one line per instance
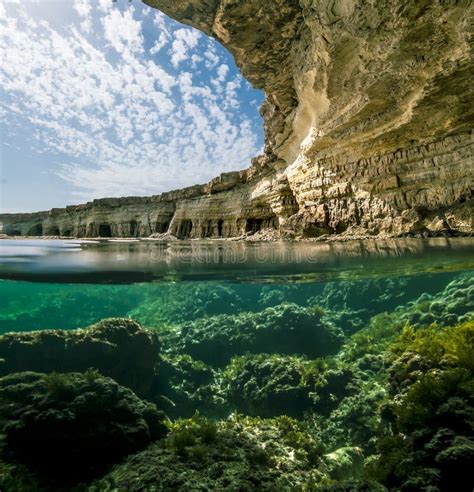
[102, 98]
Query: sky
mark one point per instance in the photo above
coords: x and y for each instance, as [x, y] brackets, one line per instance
[101, 98]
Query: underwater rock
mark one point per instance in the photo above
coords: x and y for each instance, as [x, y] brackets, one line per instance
[118, 348]
[353, 486]
[70, 427]
[345, 463]
[447, 306]
[180, 302]
[267, 385]
[346, 411]
[450, 306]
[286, 329]
[351, 304]
[185, 386]
[240, 453]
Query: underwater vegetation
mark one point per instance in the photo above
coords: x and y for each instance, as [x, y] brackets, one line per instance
[239, 453]
[281, 394]
[186, 385]
[170, 304]
[286, 328]
[118, 348]
[452, 305]
[66, 426]
[431, 410]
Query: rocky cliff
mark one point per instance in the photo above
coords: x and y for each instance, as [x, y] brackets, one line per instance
[368, 125]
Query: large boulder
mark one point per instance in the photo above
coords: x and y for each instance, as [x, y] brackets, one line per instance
[70, 427]
[268, 385]
[237, 454]
[118, 348]
[285, 329]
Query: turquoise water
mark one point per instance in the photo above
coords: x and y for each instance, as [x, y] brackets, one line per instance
[279, 366]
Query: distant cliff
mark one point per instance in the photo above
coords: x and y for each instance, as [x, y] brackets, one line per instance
[368, 124]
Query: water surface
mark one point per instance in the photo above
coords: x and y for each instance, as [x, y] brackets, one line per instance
[317, 364]
[120, 261]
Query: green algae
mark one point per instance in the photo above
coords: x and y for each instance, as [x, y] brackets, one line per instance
[430, 410]
[364, 385]
[68, 427]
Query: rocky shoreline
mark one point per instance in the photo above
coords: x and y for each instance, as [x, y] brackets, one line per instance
[266, 235]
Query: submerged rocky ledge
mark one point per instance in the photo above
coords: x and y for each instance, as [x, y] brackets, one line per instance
[343, 387]
[368, 127]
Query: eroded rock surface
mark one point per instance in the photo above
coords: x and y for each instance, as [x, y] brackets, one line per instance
[368, 126]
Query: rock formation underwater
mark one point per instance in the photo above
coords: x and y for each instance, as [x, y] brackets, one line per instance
[239, 387]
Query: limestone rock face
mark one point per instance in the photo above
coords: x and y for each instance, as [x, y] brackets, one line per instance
[368, 124]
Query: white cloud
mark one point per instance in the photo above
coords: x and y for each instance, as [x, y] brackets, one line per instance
[184, 39]
[195, 59]
[3, 13]
[179, 52]
[83, 8]
[121, 125]
[189, 36]
[160, 43]
[211, 56]
[159, 21]
[122, 31]
[104, 5]
[162, 31]
[222, 72]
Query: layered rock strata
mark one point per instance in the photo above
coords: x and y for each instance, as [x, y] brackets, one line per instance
[368, 125]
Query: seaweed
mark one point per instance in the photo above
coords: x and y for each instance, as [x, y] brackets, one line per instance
[431, 411]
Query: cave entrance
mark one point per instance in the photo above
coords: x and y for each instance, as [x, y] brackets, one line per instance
[220, 228]
[257, 224]
[52, 231]
[206, 229]
[162, 227]
[36, 230]
[133, 228]
[81, 230]
[185, 229]
[105, 230]
[253, 225]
